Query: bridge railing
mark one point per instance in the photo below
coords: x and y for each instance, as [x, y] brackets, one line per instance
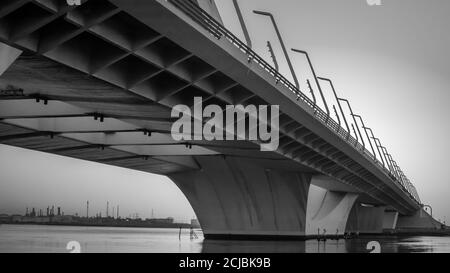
[217, 30]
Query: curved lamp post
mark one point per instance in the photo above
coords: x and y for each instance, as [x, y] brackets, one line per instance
[394, 165]
[374, 140]
[315, 78]
[338, 102]
[283, 47]
[385, 152]
[367, 134]
[337, 116]
[242, 22]
[354, 119]
[383, 155]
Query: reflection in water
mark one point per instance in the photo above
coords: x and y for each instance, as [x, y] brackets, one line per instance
[216, 246]
[388, 245]
[310, 246]
[105, 239]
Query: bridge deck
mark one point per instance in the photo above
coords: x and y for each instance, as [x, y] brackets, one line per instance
[131, 61]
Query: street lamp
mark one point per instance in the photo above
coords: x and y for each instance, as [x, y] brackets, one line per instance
[388, 158]
[367, 134]
[337, 116]
[338, 102]
[312, 92]
[356, 134]
[383, 156]
[399, 172]
[403, 176]
[283, 47]
[315, 78]
[354, 119]
[374, 140]
[394, 166]
[242, 22]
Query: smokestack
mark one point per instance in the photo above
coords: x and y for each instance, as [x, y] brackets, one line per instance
[107, 209]
[59, 211]
[87, 209]
[117, 211]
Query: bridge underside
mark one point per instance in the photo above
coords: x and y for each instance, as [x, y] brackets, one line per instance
[77, 82]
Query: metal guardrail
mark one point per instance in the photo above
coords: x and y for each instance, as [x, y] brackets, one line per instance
[217, 30]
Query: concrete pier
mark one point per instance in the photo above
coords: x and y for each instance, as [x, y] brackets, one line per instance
[237, 198]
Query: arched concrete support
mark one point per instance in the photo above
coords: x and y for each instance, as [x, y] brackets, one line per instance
[236, 198]
[328, 210]
[7, 57]
[366, 220]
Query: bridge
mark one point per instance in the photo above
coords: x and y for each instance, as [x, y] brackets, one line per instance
[97, 82]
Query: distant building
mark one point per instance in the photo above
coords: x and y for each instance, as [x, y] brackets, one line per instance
[5, 218]
[63, 219]
[29, 219]
[169, 220]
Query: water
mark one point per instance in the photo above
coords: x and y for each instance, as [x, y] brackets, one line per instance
[27, 238]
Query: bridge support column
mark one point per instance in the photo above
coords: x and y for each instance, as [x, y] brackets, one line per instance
[237, 198]
[7, 57]
[420, 220]
[366, 219]
[390, 220]
[328, 211]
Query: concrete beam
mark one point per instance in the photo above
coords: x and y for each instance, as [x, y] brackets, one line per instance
[8, 55]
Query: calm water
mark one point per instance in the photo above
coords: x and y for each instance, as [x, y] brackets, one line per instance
[18, 238]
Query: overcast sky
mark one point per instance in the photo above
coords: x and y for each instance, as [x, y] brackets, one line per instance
[391, 62]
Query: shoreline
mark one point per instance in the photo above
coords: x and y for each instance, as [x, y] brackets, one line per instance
[173, 226]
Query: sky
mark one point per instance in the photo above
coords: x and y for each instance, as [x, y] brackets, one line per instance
[391, 61]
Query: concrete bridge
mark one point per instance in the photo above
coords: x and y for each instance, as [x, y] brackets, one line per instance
[98, 81]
